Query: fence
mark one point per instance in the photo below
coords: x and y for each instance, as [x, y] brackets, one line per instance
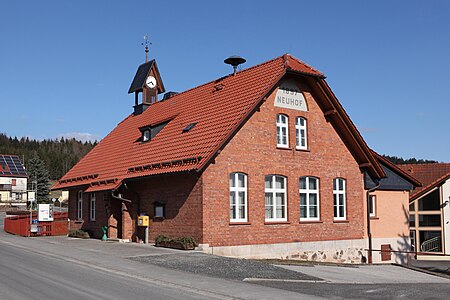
[20, 225]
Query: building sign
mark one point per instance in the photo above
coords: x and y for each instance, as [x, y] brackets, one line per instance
[32, 196]
[289, 96]
[45, 212]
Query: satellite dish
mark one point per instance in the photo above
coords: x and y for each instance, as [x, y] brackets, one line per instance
[235, 61]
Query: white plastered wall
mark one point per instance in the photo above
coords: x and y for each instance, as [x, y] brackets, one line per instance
[446, 215]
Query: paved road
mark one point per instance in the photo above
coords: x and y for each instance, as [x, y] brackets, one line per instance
[27, 275]
[48, 267]
[65, 268]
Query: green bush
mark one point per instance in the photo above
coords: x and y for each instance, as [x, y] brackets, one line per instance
[78, 233]
[185, 242]
[162, 238]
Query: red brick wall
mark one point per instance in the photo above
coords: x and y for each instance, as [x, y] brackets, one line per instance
[253, 151]
[181, 194]
[93, 227]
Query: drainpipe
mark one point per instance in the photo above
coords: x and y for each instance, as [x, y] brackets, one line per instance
[137, 197]
[120, 197]
[369, 233]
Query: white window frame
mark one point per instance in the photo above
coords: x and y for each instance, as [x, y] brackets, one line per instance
[339, 189]
[273, 191]
[80, 205]
[234, 192]
[92, 202]
[373, 201]
[301, 133]
[146, 135]
[282, 130]
[308, 192]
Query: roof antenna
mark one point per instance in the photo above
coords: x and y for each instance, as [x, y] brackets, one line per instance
[235, 61]
[146, 43]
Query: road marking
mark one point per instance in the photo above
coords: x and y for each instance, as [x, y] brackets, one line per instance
[285, 280]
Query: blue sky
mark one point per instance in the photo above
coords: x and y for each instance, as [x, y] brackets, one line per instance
[66, 66]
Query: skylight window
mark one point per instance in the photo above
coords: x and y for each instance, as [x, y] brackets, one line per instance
[189, 127]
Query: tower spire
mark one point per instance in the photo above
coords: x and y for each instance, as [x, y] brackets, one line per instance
[146, 43]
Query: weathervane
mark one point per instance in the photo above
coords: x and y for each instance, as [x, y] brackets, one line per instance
[146, 43]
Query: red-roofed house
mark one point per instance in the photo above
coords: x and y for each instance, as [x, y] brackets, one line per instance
[261, 163]
[429, 207]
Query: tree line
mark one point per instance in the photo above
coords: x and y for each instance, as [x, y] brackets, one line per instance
[58, 155]
[401, 161]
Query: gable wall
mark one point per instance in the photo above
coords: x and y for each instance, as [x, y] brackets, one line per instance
[253, 151]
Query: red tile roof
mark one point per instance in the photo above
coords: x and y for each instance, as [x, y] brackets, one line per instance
[430, 175]
[396, 168]
[218, 107]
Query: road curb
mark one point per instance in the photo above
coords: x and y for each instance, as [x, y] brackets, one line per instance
[424, 271]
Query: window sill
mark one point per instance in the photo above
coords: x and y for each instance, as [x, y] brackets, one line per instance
[302, 150]
[240, 223]
[284, 148]
[277, 222]
[310, 221]
[341, 221]
[158, 219]
[374, 218]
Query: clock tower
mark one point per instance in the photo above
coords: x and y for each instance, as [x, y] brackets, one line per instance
[147, 85]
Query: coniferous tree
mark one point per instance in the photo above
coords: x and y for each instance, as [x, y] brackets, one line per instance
[38, 174]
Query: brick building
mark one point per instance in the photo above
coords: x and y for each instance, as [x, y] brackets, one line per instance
[264, 162]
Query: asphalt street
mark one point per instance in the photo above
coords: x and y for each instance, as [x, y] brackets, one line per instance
[52, 267]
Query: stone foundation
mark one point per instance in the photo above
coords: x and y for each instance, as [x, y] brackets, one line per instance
[345, 251]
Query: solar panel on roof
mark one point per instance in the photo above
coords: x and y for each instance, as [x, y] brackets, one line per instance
[11, 165]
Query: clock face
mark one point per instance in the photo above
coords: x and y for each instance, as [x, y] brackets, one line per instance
[151, 82]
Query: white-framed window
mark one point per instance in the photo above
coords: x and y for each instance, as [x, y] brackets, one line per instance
[92, 206]
[282, 131]
[372, 205]
[238, 197]
[80, 205]
[301, 133]
[276, 198]
[339, 196]
[309, 198]
[146, 135]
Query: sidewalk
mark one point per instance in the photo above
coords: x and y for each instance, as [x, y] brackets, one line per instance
[437, 267]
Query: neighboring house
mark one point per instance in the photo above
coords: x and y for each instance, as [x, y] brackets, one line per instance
[13, 182]
[263, 163]
[388, 209]
[429, 207]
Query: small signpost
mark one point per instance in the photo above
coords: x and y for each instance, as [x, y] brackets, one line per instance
[32, 198]
[45, 212]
